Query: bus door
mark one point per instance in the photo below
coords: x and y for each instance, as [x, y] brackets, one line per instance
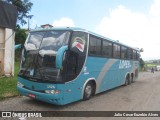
[75, 59]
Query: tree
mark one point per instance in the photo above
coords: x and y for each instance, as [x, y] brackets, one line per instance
[20, 36]
[23, 7]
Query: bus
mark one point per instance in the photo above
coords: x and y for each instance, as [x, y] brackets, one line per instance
[63, 65]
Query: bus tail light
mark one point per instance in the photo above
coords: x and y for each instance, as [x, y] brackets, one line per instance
[52, 91]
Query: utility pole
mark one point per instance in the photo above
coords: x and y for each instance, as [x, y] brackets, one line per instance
[29, 17]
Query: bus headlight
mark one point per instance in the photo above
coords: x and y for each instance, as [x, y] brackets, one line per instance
[20, 84]
[52, 91]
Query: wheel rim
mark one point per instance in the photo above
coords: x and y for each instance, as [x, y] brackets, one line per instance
[88, 91]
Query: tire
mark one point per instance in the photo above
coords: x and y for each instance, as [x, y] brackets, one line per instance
[127, 81]
[132, 79]
[88, 91]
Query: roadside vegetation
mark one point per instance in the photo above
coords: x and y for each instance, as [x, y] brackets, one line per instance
[8, 84]
[151, 65]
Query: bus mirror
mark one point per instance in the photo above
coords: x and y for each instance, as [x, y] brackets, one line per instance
[18, 46]
[59, 56]
[141, 50]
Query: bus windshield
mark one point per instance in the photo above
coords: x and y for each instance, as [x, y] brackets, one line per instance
[39, 54]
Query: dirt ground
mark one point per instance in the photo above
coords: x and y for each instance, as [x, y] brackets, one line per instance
[142, 95]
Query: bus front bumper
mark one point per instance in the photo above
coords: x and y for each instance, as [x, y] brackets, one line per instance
[49, 98]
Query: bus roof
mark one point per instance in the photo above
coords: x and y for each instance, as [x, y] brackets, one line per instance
[59, 28]
[84, 30]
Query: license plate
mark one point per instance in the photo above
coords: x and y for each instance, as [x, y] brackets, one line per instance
[32, 96]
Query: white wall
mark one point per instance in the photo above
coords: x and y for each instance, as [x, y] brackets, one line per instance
[8, 51]
[2, 35]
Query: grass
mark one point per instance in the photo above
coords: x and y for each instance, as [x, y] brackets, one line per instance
[8, 84]
[151, 65]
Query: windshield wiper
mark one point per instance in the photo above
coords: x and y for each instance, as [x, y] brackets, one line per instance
[36, 63]
[25, 71]
[31, 65]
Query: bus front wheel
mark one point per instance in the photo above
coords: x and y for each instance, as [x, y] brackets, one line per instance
[88, 91]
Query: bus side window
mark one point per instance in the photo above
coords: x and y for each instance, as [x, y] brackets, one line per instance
[79, 42]
[107, 49]
[76, 54]
[134, 55]
[123, 52]
[130, 54]
[116, 51]
[95, 46]
[92, 47]
[137, 56]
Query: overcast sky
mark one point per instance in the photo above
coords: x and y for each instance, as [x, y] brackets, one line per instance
[132, 22]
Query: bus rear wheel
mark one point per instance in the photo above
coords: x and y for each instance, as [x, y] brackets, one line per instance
[127, 81]
[88, 91]
[132, 78]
